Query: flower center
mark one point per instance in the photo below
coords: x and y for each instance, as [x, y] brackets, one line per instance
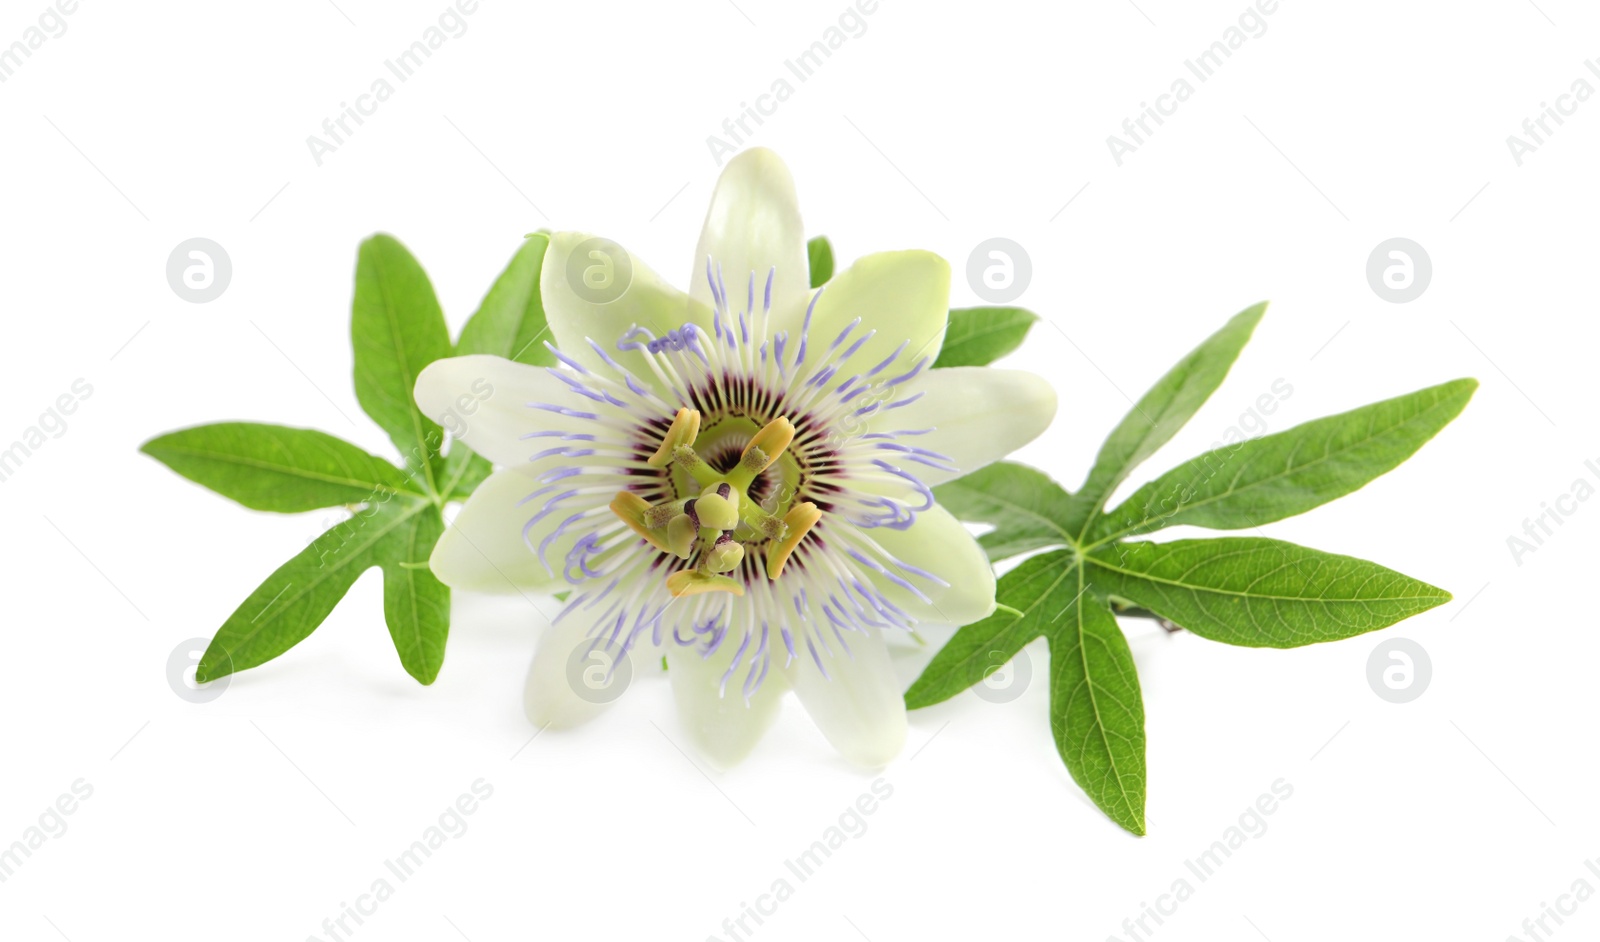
[736, 503]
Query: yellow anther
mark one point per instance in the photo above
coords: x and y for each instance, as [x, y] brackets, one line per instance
[725, 555]
[684, 430]
[718, 509]
[696, 581]
[799, 520]
[631, 509]
[681, 534]
[767, 445]
[770, 527]
[660, 515]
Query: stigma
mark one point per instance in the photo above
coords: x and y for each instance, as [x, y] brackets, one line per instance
[719, 525]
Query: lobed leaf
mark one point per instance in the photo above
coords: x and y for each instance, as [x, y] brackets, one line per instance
[297, 597]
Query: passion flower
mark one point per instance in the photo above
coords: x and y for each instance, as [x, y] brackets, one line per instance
[741, 475]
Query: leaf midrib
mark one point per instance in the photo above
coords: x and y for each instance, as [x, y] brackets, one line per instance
[425, 454]
[414, 621]
[1232, 491]
[1250, 595]
[987, 330]
[1126, 465]
[287, 470]
[1049, 522]
[348, 558]
[1094, 700]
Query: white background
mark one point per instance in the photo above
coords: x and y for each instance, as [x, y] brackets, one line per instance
[258, 815]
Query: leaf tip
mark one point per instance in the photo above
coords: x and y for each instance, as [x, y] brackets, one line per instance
[209, 669]
[921, 695]
[1253, 313]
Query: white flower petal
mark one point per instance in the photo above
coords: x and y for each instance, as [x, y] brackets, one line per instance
[937, 543]
[753, 226]
[721, 724]
[485, 402]
[483, 550]
[595, 289]
[978, 415]
[858, 705]
[903, 296]
[560, 692]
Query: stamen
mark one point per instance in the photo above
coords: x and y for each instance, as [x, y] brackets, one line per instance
[681, 533]
[661, 514]
[768, 444]
[701, 524]
[716, 511]
[630, 508]
[696, 582]
[725, 555]
[684, 430]
[799, 520]
[704, 474]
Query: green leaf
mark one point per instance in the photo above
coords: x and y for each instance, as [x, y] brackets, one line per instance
[1172, 402]
[978, 336]
[296, 598]
[1257, 592]
[464, 470]
[416, 606]
[277, 468]
[397, 329]
[510, 322]
[1023, 505]
[1243, 591]
[1035, 592]
[819, 252]
[1277, 476]
[1097, 711]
